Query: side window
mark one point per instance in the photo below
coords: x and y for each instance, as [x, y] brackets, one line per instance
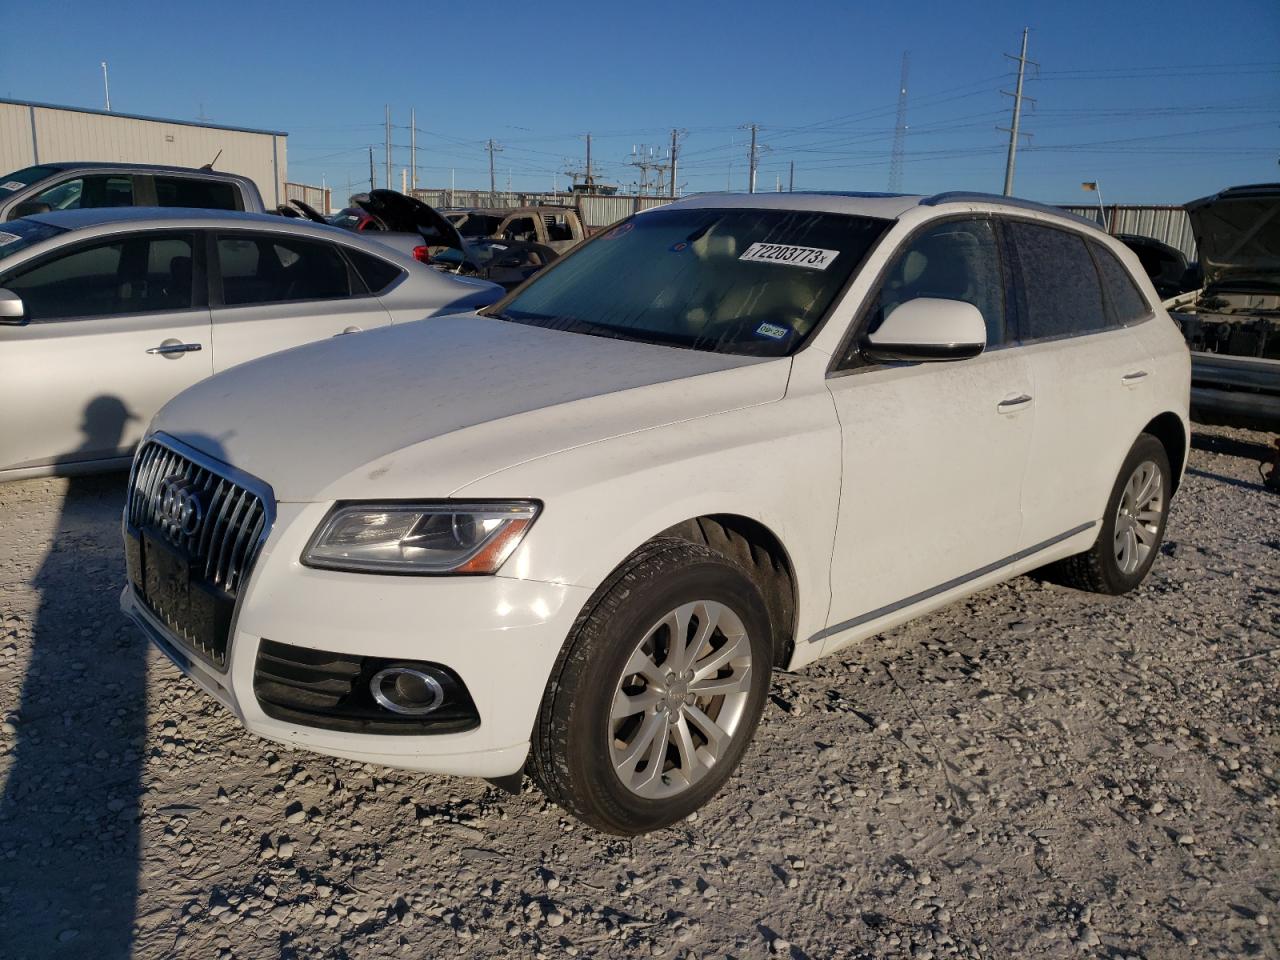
[521, 229]
[376, 273]
[558, 227]
[135, 275]
[1060, 289]
[200, 194]
[955, 260]
[91, 191]
[275, 269]
[1124, 301]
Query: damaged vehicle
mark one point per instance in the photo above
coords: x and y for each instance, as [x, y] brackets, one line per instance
[422, 232]
[1232, 322]
[574, 533]
[557, 227]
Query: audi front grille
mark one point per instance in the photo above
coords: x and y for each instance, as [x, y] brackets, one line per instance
[193, 528]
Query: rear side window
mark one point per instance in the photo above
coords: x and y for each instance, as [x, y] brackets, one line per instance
[955, 260]
[1061, 295]
[376, 273]
[200, 194]
[1124, 300]
[142, 274]
[272, 269]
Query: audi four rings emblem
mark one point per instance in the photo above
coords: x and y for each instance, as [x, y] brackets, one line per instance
[178, 511]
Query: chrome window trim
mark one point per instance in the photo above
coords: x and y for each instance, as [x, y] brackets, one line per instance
[245, 481]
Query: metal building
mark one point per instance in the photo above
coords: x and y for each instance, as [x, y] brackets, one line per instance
[32, 133]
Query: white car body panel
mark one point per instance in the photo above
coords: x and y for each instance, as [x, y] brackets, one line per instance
[893, 490]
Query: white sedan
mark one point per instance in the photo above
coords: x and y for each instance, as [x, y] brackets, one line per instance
[574, 535]
[107, 313]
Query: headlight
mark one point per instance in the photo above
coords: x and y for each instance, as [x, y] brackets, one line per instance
[441, 537]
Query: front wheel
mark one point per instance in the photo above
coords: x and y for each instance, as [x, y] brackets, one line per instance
[658, 691]
[1132, 526]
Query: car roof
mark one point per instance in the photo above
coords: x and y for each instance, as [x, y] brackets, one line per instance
[888, 206]
[158, 216]
[153, 167]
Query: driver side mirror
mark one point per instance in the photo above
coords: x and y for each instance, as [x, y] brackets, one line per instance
[12, 310]
[927, 329]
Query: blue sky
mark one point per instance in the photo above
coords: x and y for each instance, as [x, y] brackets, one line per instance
[1159, 102]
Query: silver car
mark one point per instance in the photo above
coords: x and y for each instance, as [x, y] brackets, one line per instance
[106, 314]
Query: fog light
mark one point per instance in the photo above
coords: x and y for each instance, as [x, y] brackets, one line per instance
[406, 690]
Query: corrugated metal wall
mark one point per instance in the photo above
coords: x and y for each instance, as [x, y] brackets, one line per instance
[1168, 224]
[312, 196]
[63, 133]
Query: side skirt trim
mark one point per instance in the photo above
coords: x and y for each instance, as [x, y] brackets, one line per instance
[949, 585]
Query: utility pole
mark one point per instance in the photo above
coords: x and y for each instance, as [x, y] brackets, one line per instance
[751, 181]
[1017, 112]
[413, 148]
[106, 87]
[900, 130]
[791, 183]
[388, 146]
[590, 181]
[372, 182]
[675, 153]
[493, 184]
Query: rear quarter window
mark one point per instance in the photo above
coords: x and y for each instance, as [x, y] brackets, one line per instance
[1124, 300]
[376, 273]
[1060, 291]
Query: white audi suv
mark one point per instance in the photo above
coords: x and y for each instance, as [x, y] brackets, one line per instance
[573, 535]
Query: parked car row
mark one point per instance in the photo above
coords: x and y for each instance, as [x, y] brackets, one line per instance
[574, 532]
[105, 314]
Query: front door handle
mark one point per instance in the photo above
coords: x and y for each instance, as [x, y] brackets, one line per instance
[1129, 379]
[348, 330]
[1013, 404]
[167, 349]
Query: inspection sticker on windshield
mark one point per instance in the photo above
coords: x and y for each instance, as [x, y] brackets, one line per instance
[772, 331]
[8, 238]
[12, 185]
[812, 258]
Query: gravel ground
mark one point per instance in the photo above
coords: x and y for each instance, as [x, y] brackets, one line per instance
[1033, 773]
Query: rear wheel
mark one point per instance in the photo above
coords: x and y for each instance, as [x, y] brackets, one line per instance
[658, 691]
[1132, 527]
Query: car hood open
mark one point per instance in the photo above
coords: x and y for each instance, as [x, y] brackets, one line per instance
[1238, 235]
[423, 408]
[405, 214]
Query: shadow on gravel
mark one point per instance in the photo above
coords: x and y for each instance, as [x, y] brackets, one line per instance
[1230, 447]
[1219, 478]
[69, 835]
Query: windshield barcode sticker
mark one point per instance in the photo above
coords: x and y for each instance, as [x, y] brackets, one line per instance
[811, 258]
[8, 238]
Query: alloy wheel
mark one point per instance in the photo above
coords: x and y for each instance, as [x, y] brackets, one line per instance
[1138, 517]
[680, 700]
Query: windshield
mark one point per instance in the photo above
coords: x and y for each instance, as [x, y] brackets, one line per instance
[19, 234]
[15, 181]
[729, 280]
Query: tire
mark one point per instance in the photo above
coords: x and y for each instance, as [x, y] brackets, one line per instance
[1104, 567]
[619, 656]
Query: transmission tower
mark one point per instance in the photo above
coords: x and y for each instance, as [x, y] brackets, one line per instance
[653, 168]
[899, 130]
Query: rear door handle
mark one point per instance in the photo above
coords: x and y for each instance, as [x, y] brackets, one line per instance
[1129, 379]
[168, 348]
[1013, 404]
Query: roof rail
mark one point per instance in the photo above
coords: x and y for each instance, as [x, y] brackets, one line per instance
[961, 196]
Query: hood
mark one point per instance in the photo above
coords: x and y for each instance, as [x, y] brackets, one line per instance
[1238, 235]
[424, 408]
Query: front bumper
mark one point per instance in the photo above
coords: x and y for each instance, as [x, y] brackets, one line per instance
[499, 634]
